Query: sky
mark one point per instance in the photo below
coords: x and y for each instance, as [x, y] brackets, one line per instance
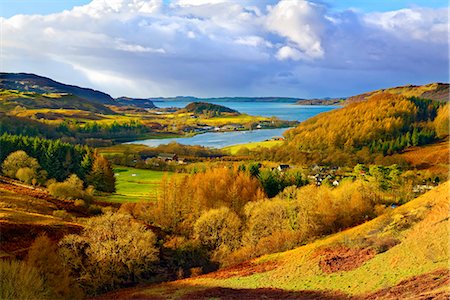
[211, 48]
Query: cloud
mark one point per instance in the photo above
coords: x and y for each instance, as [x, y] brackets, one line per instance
[302, 23]
[298, 48]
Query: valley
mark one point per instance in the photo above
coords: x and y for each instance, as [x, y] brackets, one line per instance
[205, 201]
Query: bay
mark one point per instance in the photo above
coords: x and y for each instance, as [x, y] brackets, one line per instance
[284, 111]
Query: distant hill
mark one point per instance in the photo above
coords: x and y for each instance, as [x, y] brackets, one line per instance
[432, 91]
[208, 108]
[33, 83]
[225, 99]
[323, 101]
[137, 102]
[9, 99]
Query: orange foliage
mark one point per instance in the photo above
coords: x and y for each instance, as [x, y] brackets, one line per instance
[182, 201]
[384, 116]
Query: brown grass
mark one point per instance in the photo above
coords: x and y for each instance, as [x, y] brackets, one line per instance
[343, 259]
[434, 158]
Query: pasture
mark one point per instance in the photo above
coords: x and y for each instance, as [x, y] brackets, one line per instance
[135, 185]
[265, 144]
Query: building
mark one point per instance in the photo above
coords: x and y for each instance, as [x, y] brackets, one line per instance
[168, 157]
[282, 168]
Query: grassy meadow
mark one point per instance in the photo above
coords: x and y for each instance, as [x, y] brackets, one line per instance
[135, 185]
[265, 144]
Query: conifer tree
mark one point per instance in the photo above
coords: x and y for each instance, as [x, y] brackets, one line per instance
[102, 175]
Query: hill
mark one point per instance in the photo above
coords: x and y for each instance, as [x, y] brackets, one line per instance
[384, 124]
[9, 99]
[142, 103]
[393, 256]
[38, 84]
[225, 99]
[209, 108]
[324, 101]
[433, 91]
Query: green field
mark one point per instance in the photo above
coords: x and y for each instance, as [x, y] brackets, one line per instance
[136, 185]
[265, 144]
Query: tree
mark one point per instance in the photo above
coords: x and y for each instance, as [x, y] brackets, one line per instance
[71, 188]
[112, 250]
[415, 137]
[269, 182]
[27, 175]
[441, 122]
[43, 256]
[102, 175]
[20, 160]
[218, 228]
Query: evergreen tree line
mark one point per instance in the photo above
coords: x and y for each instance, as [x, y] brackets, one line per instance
[95, 129]
[416, 137]
[61, 159]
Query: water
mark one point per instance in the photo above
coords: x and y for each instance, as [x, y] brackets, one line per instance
[284, 111]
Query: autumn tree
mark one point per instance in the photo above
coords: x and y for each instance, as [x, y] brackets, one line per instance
[72, 188]
[441, 123]
[43, 256]
[218, 228]
[112, 250]
[102, 175]
[181, 201]
[23, 167]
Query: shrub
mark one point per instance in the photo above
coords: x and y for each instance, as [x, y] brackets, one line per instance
[19, 280]
[26, 175]
[23, 167]
[95, 209]
[17, 160]
[79, 203]
[62, 214]
[43, 257]
[218, 228]
[269, 216]
[71, 188]
[125, 249]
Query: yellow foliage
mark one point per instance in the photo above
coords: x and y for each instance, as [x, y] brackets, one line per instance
[356, 125]
[182, 201]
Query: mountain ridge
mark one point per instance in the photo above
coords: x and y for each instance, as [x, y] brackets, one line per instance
[28, 82]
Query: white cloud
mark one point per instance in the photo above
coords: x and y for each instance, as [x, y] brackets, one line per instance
[419, 23]
[287, 52]
[302, 23]
[238, 47]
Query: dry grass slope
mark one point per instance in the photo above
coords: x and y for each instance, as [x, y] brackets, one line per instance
[26, 213]
[401, 253]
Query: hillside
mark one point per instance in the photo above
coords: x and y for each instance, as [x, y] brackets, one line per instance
[142, 103]
[391, 257]
[433, 91]
[9, 99]
[27, 212]
[38, 84]
[324, 101]
[360, 131]
[209, 108]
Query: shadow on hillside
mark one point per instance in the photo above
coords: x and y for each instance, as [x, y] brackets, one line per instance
[262, 293]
